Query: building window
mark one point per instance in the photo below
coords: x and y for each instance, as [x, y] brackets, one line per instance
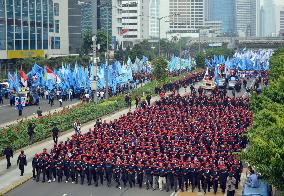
[57, 26]
[55, 42]
[56, 9]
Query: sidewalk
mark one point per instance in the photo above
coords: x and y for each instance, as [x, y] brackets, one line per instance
[3, 125]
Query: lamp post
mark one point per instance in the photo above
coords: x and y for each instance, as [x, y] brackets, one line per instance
[94, 82]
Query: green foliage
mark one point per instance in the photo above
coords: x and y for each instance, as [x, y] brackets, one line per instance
[86, 48]
[209, 53]
[266, 149]
[160, 68]
[56, 62]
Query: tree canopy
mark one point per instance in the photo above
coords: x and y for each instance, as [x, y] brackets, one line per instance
[266, 136]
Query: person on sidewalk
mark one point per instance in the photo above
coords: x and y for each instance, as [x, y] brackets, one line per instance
[55, 132]
[8, 152]
[20, 109]
[31, 132]
[148, 98]
[39, 112]
[60, 101]
[231, 185]
[22, 162]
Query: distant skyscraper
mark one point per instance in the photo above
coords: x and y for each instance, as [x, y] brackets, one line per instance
[281, 30]
[246, 22]
[191, 15]
[104, 15]
[154, 14]
[269, 18]
[261, 22]
[221, 10]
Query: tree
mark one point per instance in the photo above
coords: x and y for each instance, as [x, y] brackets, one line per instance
[266, 150]
[86, 48]
[160, 68]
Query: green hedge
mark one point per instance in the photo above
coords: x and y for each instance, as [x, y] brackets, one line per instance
[16, 135]
[266, 149]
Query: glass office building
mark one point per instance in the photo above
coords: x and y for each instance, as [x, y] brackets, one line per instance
[26, 25]
[224, 11]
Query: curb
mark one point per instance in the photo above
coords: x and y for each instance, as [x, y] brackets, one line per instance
[15, 185]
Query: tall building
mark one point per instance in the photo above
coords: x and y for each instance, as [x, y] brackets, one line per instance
[154, 14]
[191, 16]
[117, 28]
[74, 26]
[221, 10]
[246, 23]
[135, 19]
[281, 30]
[104, 15]
[261, 22]
[269, 18]
[31, 28]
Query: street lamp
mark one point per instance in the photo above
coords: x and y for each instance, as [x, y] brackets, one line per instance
[159, 19]
[94, 82]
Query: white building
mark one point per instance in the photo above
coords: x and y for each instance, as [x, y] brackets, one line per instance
[246, 17]
[281, 21]
[269, 18]
[154, 14]
[130, 21]
[41, 28]
[214, 28]
[190, 19]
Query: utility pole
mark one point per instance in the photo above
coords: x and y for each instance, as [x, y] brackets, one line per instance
[107, 55]
[94, 82]
[159, 19]
[199, 44]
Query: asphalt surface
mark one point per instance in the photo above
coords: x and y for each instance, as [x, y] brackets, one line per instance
[32, 188]
[10, 113]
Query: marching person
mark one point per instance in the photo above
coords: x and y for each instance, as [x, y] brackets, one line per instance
[35, 166]
[8, 152]
[231, 185]
[162, 177]
[31, 132]
[22, 162]
[55, 132]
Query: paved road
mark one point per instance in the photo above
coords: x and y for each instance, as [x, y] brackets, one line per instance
[10, 113]
[56, 189]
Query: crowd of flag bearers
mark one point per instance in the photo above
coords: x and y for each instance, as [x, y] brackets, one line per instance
[179, 143]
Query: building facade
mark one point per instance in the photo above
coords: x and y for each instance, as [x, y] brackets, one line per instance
[222, 10]
[154, 14]
[74, 26]
[281, 30]
[191, 16]
[30, 28]
[246, 23]
[269, 18]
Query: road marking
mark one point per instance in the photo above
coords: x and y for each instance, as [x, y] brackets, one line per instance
[174, 193]
[4, 105]
[65, 194]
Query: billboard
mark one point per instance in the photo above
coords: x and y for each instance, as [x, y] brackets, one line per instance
[21, 54]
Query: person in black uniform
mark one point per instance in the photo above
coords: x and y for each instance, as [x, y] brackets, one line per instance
[177, 177]
[67, 169]
[78, 171]
[73, 171]
[84, 172]
[140, 172]
[131, 174]
[22, 162]
[8, 152]
[124, 174]
[169, 177]
[223, 179]
[185, 179]
[59, 169]
[100, 173]
[148, 175]
[198, 176]
[108, 171]
[156, 172]
[116, 175]
[215, 176]
[92, 172]
[55, 132]
[52, 169]
[35, 166]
